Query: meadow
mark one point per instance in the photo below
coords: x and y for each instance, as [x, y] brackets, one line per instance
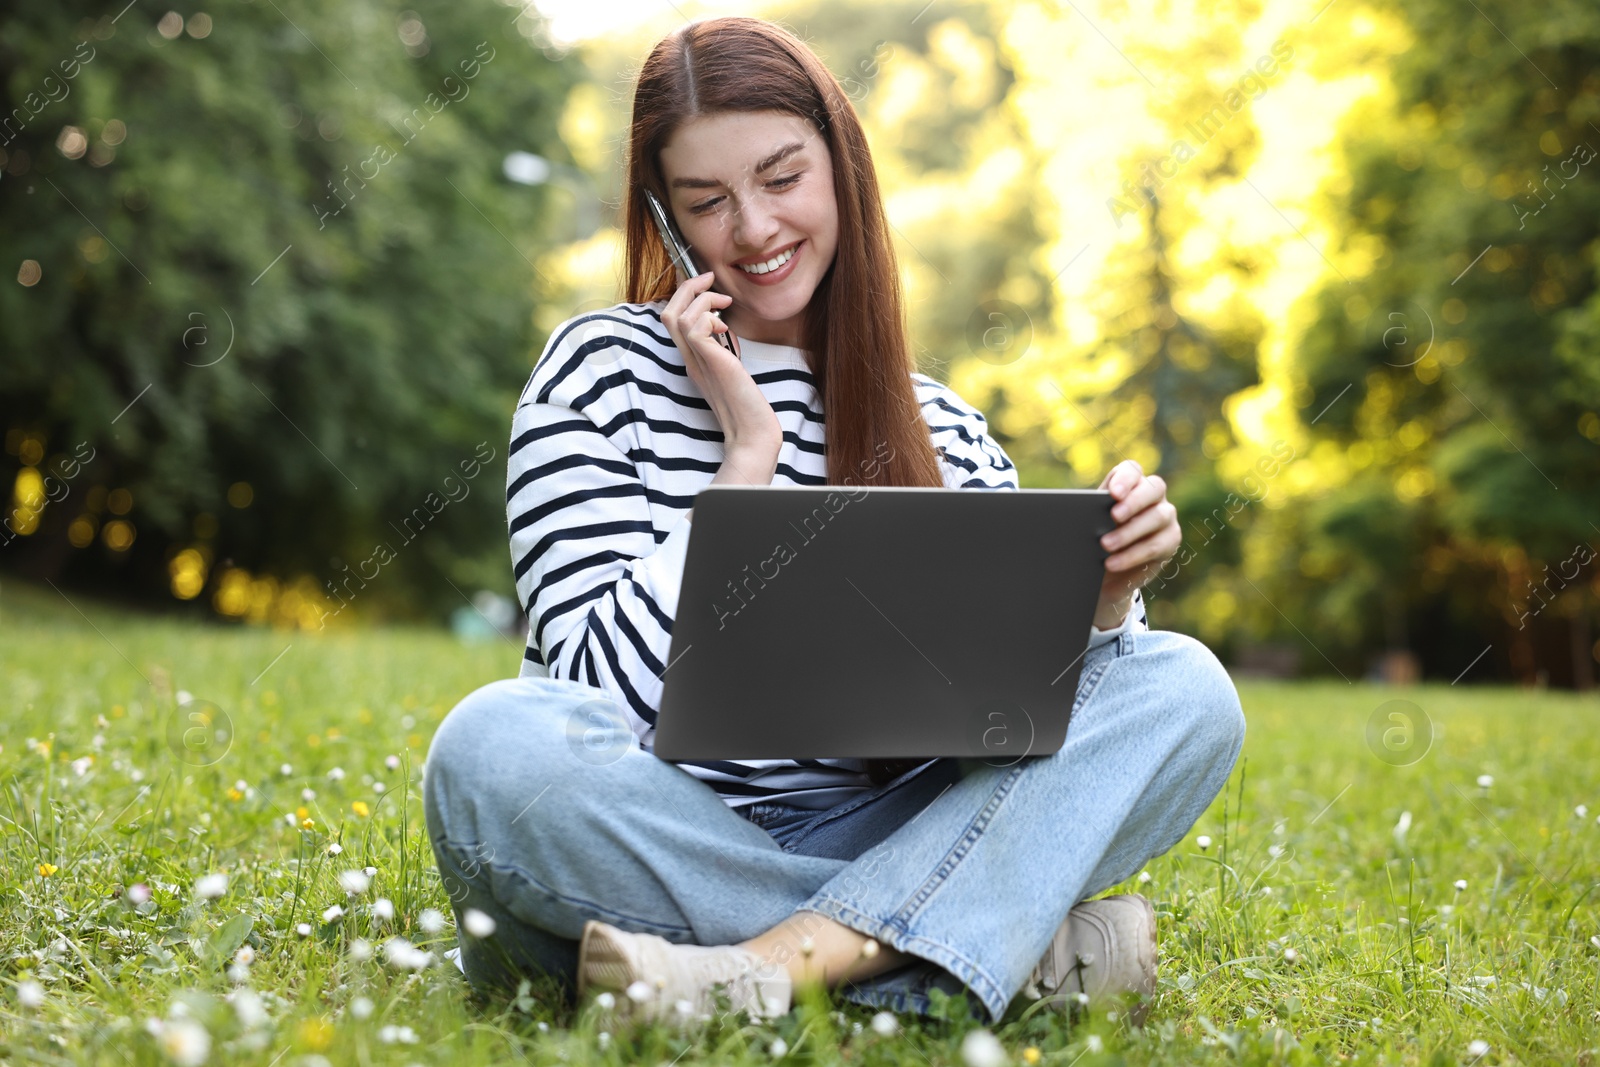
[1406, 883]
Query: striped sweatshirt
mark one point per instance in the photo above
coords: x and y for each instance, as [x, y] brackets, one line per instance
[610, 442]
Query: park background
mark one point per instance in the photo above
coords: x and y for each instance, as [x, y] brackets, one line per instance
[275, 273]
[1328, 269]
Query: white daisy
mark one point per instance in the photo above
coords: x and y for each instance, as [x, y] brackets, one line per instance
[185, 1042]
[980, 1048]
[402, 955]
[211, 886]
[248, 1007]
[480, 925]
[1401, 827]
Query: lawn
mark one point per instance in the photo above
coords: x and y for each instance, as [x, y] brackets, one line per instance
[1360, 895]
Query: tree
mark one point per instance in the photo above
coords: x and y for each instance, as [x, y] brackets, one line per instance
[273, 283]
[1470, 347]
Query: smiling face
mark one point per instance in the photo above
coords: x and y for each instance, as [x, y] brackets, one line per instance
[747, 188]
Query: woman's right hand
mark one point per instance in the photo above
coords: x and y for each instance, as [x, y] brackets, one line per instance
[750, 431]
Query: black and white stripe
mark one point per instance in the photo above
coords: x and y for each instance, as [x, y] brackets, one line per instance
[609, 445]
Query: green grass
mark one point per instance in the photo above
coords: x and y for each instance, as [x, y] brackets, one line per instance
[1391, 963]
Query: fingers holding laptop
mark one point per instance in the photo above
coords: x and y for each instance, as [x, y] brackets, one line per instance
[1146, 536]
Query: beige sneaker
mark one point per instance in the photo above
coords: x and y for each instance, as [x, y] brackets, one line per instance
[678, 980]
[1105, 948]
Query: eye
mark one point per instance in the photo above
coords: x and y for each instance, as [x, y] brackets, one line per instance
[776, 183]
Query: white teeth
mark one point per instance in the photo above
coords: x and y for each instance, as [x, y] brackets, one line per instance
[770, 265]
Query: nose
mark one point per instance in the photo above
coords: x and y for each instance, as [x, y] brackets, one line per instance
[754, 226]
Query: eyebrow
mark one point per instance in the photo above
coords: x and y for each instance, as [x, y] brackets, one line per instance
[771, 161]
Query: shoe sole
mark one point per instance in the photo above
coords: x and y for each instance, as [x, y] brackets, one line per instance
[1147, 954]
[1147, 957]
[602, 963]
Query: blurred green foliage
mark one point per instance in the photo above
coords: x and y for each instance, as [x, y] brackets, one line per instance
[1473, 349]
[1353, 322]
[274, 247]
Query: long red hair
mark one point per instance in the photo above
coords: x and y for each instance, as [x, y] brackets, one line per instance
[854, 328]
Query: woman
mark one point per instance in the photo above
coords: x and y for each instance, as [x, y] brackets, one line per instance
[612, 869]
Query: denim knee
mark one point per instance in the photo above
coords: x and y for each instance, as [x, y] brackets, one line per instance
[491, 742]
[468, 739]
[1207, 696]
[516, 729]
[494, 741]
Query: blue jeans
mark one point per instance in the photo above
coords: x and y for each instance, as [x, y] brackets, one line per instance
[968, 866]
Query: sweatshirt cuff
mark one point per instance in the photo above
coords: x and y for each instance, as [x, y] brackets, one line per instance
[661, 572]
[1098, 637]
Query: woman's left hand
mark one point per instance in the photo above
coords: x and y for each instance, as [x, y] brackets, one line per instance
[1146, 536]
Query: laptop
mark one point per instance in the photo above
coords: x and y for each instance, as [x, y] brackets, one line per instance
[886, 622]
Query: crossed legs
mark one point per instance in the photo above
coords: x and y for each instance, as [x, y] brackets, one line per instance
[975, 884]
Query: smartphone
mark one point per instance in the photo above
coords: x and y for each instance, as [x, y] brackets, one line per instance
[678, 250]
